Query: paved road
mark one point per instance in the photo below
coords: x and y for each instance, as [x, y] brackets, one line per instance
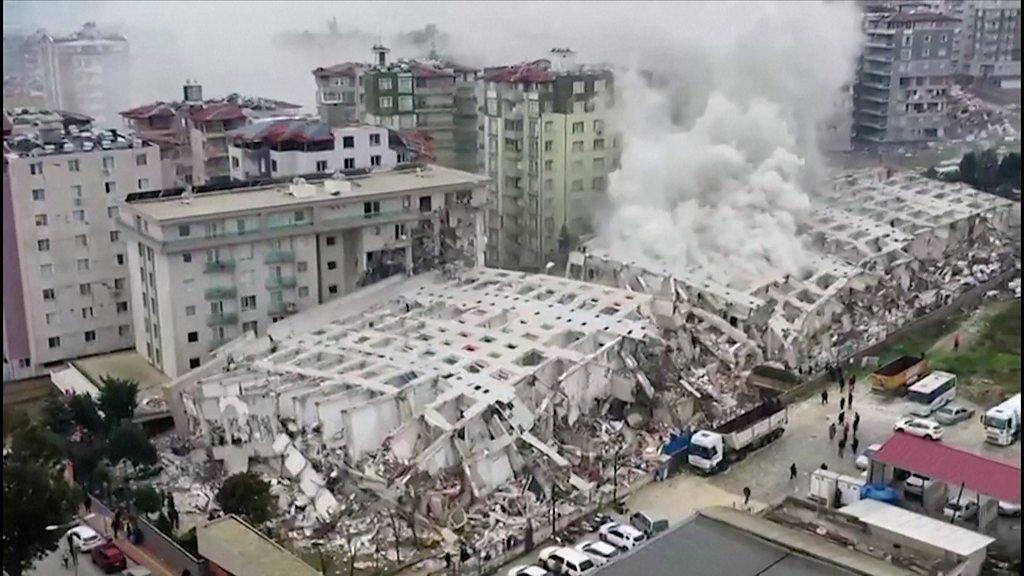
[52, 565]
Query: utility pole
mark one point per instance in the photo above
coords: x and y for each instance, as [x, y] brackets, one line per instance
[615, 475]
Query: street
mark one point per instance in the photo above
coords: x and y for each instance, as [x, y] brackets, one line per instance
[52, 565]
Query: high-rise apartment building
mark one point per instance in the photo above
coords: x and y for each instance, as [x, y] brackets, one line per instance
[990, 42]
[66, 289]
[904, 76]
[193, 133]
[209, 266]
[279, 148]
[548, 151]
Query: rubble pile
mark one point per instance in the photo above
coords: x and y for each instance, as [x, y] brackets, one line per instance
[977, 120]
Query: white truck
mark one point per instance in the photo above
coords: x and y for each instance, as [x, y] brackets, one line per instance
[713, 450]
[1002, 422]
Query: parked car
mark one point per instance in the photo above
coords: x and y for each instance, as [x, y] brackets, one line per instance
[136, 571]
[929, 429]
[864, 459]
[964, 511]
[950, 414]
[108, 557]
[916, 484]
[1009, 509]
[530, 570]
[600, 552]
[83, 538]
[623, 536]
[647, 524]
[566, 561]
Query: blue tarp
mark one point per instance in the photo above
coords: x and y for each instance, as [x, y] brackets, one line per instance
[678, 442]
[879, 492]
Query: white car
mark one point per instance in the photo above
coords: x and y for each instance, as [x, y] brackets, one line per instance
[83, 538]
[566, 561]
[1009, 509]
[600, 552]
[929, 429]
[623, 536]
[530, 570]
[916, 484]
[864, 460]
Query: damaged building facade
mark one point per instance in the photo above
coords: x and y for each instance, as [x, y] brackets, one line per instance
[888, 248]
[218, 263]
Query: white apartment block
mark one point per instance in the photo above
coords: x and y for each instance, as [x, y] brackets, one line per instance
[548, 151]
[208, 267]
[65, 271]
[281, 148]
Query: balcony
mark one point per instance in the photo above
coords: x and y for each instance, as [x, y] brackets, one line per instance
[373, 217]
[221, 293]
[222, 319]
[282, 308]
[280, 283]
[217, 266]
[218, 342]
[279, 257]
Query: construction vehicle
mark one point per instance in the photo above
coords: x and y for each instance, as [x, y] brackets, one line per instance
[713, 450]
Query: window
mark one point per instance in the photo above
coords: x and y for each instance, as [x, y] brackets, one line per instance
[371, 208]
[249, 302]
[193, 363]
[40, 219]
[124, 330]
[35, 168]
[87, 313]
[321, 165]
[405, 84]
[549, 184]
[374, 139]
[119, 258]
[598, 85]
[112, 212]
[904, 54]
[350, 163]
[348, 142]
[577, 146]
[143, 183]
[51, 318]
[250, 326]
[46, 270]
[598, 183]
[140, 160]
[119, 283]
[38, 195]
[81, 240]
[85, 289]
[108, 162]
[332, 289]
[193, 336]
[90, 335]
[577, 185]
[76, 191]
[330, 240]
[301, 266]
[190, 310]
[53, 342]
[83, 264]
[43, 245]
[186, 257]
[549, 145]
[598, 143]
[399, 231]
[110, 187]
[598, 126]
[49, 294]
[578, 87]
[375, 160]
[598, 163]
[384, 83]
[926, 52]
[273, 165]
[577, 127]
[908, 39]
[385, 102]
[331, 265]
[73, 166]
[115, 235]
[303, 291]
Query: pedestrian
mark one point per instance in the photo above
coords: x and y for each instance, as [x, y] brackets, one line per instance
[842, 447]
[854, 444]
[856, 422]
[66, 559]
[746, 495]
[831, 431]
[842, 403]
[448, 560]
[117, 523]
[87, 503]
[842, 385]
[174, 517]
[840, 373]
[849, 400]
[824, 397]
[853, 381]
[824, 466]
[792, 471]
[842, 417]
[956, 342]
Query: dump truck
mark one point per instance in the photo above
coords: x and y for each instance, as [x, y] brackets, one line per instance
[1002, 422]
[900, 373]
[713, 450]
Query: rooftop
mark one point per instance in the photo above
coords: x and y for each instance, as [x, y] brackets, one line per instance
[44, 133]
[285, 130]
[918, 527]
[287, 194]
[348, 69]
[234, 545]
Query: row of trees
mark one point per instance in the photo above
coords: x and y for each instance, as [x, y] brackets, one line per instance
[986, 171]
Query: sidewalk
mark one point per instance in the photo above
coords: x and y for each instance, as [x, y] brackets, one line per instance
[101, 523]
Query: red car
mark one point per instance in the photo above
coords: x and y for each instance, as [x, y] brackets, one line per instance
[109, 557]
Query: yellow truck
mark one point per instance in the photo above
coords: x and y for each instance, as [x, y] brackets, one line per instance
[899, 373]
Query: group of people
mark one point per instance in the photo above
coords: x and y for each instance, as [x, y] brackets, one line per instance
[845, 403]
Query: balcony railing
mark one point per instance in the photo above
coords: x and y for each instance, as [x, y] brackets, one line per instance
[222, 319]
[221, 293]
[280, 283]
[279, 256]
[216, 266]
[373, 217]
[226, 235]
[282, 308]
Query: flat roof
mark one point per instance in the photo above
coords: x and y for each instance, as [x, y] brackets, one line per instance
[918, 527]
[241, 549]
[278, 196]
[952, 465]
[707, 547]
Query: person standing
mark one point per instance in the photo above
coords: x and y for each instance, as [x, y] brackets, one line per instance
[856, 422]
[792, 471]
[853, 445]
[831, 431]
[746, 495]
[824, 397]
[842, 447]
[842, 403]
[853, 382]
[849, 400]
[842, 417]
[956, 342]
[842, 384]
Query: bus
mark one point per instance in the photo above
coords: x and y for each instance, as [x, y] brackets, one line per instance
[934, 391]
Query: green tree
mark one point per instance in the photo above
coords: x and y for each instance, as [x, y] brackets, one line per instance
[37, 444]
[117, 399]
[129, 442]
[969, 168]
[1009, 170]
[34, 498]
[988, 169]
[57, 416]
[148, 500]
[14, 420]
[84, 413]
[247, 495]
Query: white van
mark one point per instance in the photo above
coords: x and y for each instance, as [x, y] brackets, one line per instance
[567, 561]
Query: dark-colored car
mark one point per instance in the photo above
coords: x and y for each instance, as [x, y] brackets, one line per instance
[109, 557]
[647, 524]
